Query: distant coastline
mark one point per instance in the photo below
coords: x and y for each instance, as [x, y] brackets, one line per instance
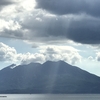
[3, 96]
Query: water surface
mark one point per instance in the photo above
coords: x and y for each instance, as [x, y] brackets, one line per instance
[50, 97]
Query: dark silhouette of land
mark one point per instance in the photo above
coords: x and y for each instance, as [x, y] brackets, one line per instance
[49, 77]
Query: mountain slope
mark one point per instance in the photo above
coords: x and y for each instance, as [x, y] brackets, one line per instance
[50, 77]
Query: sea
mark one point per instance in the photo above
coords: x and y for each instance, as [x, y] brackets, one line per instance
[49, 96]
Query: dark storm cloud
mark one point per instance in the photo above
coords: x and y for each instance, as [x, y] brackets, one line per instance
[83, 30]
[5, 2]
[48, 29]
[51, 29]
[78, 27]
[62, 7]
[17, 34]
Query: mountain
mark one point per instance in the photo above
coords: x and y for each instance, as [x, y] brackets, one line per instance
[49, 77]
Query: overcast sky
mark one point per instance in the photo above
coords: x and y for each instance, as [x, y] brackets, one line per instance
[41, 30]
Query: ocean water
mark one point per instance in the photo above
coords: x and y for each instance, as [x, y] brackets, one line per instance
[50, 97]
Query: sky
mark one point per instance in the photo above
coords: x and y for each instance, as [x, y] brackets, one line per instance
[35, 31]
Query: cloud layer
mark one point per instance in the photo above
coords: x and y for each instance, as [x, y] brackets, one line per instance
[6, 2]
[45, 53]
[51, 21]
[63, 7]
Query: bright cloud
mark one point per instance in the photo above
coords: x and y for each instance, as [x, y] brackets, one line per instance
[66, 53]
[53, 53]
[98, 56]
[7, 53]
[10, 25]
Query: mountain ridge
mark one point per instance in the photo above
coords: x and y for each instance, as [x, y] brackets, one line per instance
[49, 77]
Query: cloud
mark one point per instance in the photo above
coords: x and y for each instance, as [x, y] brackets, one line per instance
[7, 53]
[48, 29]
[6, 2]
[98, 56]
[79, 28]
[63, 7]
[65, 53]
[82, 29]
[85, 31]
[38, 26]
[45, 53]
[29, 58]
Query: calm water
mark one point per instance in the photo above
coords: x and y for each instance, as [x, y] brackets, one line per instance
[51, 97]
